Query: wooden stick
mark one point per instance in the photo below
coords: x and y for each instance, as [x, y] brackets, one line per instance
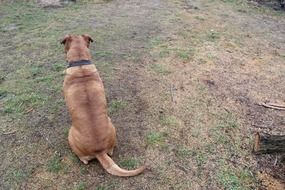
[277, 105]
[272, 107]
[10, 132]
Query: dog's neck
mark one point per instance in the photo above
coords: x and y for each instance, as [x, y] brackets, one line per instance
[77, 53]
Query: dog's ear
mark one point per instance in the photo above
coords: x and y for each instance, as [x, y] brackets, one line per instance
[87, 38]
[66, 37]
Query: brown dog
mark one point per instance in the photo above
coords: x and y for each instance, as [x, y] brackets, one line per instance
[92, 134]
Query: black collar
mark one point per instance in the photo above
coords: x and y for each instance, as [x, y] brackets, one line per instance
[79, 63]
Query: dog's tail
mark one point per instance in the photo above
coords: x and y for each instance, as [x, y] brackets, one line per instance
[111, 167]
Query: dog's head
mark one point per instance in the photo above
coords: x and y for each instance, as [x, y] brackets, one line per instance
[72, 40]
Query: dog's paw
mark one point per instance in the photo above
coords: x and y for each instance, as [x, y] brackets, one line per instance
[84, 161]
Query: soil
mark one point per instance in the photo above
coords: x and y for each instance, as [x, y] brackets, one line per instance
[195, 61]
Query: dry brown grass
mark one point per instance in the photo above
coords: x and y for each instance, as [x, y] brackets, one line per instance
[182, 81]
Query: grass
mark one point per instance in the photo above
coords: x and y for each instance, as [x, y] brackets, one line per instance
[235, 180]
[108, 186]
[213, 36]
[168, 120]
[54, 164]
[229, 180]
[58, 67]
[116, 105]
[184, 152]
[17, 175]
[154, 138]
[224, 138]
[21, 103]
[102, 188]
[201, 158]
[81, 186]
[166, 51]
[224, 132]
[129, 163]
[154, 42]
[102, 54]
[229, 121]
[183, 54]
[66, 131]
[160, 69]
[199, 18]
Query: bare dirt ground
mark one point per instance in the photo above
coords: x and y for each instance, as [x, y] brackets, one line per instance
[183, 81]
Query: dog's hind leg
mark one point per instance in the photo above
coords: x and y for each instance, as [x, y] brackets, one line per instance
[84, 161]
[110, 151]
[114, 141]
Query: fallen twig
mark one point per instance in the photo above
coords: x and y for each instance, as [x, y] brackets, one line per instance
[9, 133]
[273, 106]
[29, 110]
[276, 105]
[276, 159]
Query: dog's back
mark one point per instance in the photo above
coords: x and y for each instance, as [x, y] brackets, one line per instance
[85, 98]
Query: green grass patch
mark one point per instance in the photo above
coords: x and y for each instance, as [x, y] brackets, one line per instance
[54, 164]
[74, 158]
[81, 186]
[58, 67]
[168, 120]
[224, 130]
[129, 163]
[229, 180]
[101, 54]
[164, 53]
[183, 54]
[155, 42]
[35, 71]
[199, 18]
[160, 69]
[213, 36]
[116, 105]
[16, 175]
[103, 188]
[110, 186]
[229, 121]
[235, 178]
[45, 79]
[155, 138]
[65, 131]
[20, 103]
[200, 157]
[106, 69]
[184, 152]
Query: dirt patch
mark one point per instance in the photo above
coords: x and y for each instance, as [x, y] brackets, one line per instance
[183, 81]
